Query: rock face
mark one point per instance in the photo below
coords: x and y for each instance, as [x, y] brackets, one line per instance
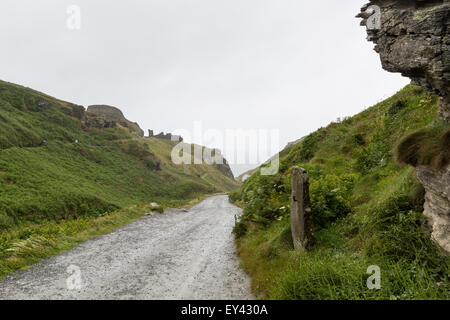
[107, 116]
[437, 202]
[412, 38]
[225, 169]
[301, 214]
[218, 160]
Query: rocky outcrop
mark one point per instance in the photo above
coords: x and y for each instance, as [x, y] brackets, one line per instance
[437, 202]
[107, 117]
[224, 167]
[412, 38]
[216, 157]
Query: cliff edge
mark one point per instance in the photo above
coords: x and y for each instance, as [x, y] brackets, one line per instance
[412, 38]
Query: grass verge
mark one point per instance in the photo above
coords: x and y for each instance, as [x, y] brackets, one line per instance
[25, 245]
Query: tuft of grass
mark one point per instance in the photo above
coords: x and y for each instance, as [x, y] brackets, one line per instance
[429, 146]
[331, 276]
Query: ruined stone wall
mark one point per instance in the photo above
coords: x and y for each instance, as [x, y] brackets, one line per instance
[108, 116]
[165, 136]
[108, 113]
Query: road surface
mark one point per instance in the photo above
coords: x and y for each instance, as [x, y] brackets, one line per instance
[176, 255]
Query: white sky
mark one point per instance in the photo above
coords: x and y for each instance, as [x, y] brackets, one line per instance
[289, 65]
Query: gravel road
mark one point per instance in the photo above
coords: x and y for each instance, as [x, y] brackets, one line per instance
[176, 255]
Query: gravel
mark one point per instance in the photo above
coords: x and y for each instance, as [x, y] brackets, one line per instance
[175, 255]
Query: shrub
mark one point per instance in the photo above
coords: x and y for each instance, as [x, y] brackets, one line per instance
[330, 198]
[375, 155]
[358, 139]
[240, 229]
[396, 107]
[235, 196]
[266, 198]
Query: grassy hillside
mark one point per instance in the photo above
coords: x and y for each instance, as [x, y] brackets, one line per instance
[56, 168]
[242, 177]
[367, 210]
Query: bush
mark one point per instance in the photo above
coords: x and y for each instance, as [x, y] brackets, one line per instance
[240, 229]
[358, 139]
[266, 198]
[330, 198]
[396, 107]
[374, 156]
[235, 196]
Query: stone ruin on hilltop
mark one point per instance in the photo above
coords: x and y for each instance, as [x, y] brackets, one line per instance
[165, 136]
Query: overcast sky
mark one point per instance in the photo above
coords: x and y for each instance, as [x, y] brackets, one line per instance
[290, 65]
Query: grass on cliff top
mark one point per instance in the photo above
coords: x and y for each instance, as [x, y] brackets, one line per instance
[367, 211]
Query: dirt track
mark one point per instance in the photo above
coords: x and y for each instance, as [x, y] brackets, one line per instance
[176, 255]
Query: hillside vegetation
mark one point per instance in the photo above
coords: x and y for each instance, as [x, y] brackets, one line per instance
[55, 169]
[367, 209]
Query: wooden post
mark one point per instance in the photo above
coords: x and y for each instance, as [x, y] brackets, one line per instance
[301, 214]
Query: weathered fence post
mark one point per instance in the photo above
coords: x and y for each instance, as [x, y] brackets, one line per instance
[301, 214]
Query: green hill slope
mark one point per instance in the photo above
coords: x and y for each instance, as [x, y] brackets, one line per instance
[53, 166]
[367, 211]
[57, 163]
